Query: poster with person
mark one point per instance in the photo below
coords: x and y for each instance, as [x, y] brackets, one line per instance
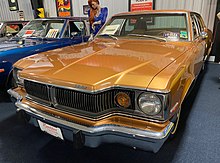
[64, 8]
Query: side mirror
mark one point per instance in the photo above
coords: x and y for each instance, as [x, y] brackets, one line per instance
[218, 15]
[204, 35]
[74, 34]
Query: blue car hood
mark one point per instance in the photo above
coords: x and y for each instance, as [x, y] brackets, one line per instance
[21, 43]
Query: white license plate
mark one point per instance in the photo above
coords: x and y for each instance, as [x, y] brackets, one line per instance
[54, 131]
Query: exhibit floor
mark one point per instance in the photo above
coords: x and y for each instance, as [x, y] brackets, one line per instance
[197, 139]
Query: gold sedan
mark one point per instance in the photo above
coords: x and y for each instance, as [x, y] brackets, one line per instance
[126, 86]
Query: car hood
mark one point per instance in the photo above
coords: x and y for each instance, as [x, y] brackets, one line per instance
[20, 43]
[103, 63]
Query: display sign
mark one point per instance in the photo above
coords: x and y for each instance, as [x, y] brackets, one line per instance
[28, 33]
[64, 8]
[54, 131]
[13, 5]
[141, 5]
[52, 33]
[110, 29]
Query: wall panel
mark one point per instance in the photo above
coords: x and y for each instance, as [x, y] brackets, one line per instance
[206, 8]
[122, 6]
[6, 14]
[50, 8]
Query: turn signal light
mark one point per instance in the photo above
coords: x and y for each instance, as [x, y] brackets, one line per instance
[2, 70]
[122, 100]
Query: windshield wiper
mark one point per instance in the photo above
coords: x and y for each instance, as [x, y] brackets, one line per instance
[111, 36]
[149, 36]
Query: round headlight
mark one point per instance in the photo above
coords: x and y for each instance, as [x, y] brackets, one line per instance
[123, 100]
[149, 103]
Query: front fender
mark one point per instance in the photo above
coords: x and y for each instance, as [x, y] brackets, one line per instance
[4, 76]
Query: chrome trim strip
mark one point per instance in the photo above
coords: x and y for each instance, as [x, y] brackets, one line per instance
[40, 101]
[104, 116]
[101, 90]
[14, 94]
[151, 12]
[19, 98]
[98, 129]
[188, 27]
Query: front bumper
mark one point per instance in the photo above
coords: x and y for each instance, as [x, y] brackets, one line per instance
[94, 136]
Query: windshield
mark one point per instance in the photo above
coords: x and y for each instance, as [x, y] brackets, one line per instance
[171, 27]
[42, 28]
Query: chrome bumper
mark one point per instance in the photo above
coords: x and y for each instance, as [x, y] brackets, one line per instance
[131, 136]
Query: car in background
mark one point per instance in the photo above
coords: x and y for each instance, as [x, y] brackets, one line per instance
[37, 36]
[126, 86]
[10, 28]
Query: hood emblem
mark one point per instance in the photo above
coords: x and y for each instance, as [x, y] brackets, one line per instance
[80, 86]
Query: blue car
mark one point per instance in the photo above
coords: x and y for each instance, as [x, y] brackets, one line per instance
[37, 36]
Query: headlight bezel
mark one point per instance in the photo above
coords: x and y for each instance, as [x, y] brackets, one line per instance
[147, 96]
[165, 101]
[16, 76]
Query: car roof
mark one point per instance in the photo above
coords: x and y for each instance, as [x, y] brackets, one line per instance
[153, 11]
[63, 18]
[15, 21]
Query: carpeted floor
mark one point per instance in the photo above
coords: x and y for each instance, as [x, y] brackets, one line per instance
[197, 139]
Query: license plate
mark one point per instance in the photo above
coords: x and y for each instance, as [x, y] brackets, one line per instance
[54, 131]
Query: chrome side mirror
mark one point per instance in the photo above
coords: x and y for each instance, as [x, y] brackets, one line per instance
[204, 35]
[218, 15]
[74, 34]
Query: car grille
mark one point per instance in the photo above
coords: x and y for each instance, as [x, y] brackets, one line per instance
[37, 90]
[71, 100]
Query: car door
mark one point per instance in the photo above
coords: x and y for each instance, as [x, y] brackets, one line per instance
[199, 45]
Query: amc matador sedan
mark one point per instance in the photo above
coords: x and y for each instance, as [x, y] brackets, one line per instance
[126, 86]
[37, 36]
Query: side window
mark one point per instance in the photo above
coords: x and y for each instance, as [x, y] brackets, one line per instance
[13, 28]
[130, 24]
[194, 27]
[80, 28]
[200, 23]
[118, 25]
[75, 28]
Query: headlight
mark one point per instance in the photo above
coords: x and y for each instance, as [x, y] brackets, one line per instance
[149, 103]
[16, 75]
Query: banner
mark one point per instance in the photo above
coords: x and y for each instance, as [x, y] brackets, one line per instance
[38, 8]
[64, 8]
[141, 5]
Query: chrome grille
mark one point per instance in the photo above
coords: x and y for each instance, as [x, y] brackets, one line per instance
[37, 90]
[75, 101]
[94, 103]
